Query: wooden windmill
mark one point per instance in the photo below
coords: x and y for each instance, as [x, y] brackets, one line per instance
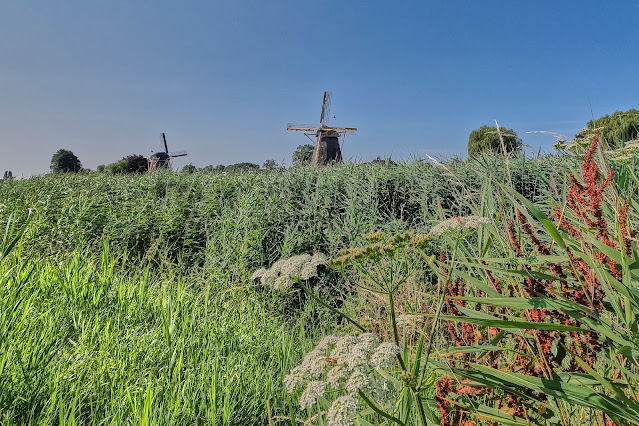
[163, 160]
[327, 145]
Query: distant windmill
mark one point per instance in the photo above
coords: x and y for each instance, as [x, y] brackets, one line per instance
[163, 160]
[327, 147]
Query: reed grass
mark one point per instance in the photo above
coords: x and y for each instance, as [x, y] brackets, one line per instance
[127, 299]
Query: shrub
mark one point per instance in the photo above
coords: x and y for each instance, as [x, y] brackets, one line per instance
[65, 161]
[487, 139]
[614, 130]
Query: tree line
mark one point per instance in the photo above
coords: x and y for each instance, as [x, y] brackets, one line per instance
[614, 131]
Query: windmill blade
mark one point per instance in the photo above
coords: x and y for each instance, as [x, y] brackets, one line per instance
[178, 154]
[349, 130]
[326, 106]
[302, 127]
[166, 147]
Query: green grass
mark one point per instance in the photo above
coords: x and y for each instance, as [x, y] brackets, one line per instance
[90, 340]
[128, 301]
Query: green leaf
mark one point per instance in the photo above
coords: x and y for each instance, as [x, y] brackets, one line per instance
[512, 324]
[515, 272]
[539, 215]
[575, 394]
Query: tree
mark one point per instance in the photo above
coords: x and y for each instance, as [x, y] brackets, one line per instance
[65, 161]
[214, 169]
[189, 168]
[270, 165]
[119, 167]
[303, 155]
[487, 139]
[242, 167]
[136, 163]
[614, 130]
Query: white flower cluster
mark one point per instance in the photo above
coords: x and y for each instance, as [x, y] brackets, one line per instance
[459, 223]
[282, 273]
[350, 364]
[626, 154]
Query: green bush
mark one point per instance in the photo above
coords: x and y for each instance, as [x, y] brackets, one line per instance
[614, 130]
[65, 161]
[486, 139]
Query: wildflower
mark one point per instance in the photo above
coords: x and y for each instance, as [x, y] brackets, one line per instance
[309, 270]
[326, 342]
[258, 273]
[357, 358]
[282, 274]
[358, 381]
[313, 390]
[335, 375]
[385, 354]
[368, 342]
[268, 278]
[298, 375]
[315, 363]
[319, 258]
[342, 349]
[342, 411]
[351, 367]
[459, 223]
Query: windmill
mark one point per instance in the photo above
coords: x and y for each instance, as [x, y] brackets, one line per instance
[327, 146]
[162, 160]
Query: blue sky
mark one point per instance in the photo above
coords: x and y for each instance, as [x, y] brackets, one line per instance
[222, 78]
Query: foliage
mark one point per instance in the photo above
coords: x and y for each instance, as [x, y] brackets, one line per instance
[270, 165]
[119, 167]
[189, 168]
[65, 161]
[543, 314]
[303, 155]
[242, 167]
[614, 130]
[128, 298]
[487, 139]
[214, 169]
[136, 163]
[239, 167]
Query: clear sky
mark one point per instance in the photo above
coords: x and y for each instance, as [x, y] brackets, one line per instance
[223, 77]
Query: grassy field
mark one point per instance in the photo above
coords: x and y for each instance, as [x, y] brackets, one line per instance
[128, 299]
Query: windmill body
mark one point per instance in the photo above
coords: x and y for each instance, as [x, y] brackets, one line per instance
[163, 160]
[327, 145]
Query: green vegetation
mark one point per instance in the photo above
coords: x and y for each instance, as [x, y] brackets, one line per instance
[487, 139]
[189, 168]
[65, 161]
[129, 299]
[303, 155]
[614, 130]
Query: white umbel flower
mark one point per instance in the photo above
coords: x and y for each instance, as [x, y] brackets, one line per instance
[342, 411]
[358, 381]
[459, 223]
[309, 270]
[258, 273]
[313, 390]
[283, 273]
[335, 375]
[298, 375]
[385, 355]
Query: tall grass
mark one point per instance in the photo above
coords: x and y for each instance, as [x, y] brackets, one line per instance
[127, 299]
